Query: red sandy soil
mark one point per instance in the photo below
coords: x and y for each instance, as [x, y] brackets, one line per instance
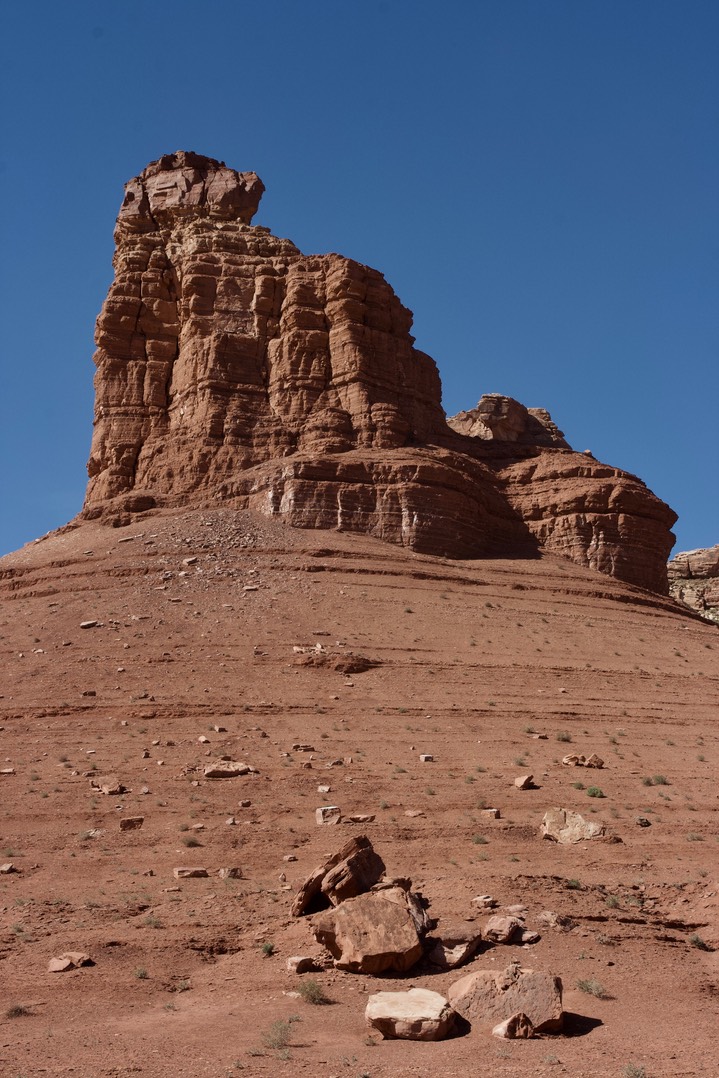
[471, 655]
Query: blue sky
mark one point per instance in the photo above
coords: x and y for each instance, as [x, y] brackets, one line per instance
[537, 179]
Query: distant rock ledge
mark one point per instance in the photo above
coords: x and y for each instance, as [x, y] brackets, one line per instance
[694, 581]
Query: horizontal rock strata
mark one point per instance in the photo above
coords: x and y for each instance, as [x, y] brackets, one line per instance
[232, 368]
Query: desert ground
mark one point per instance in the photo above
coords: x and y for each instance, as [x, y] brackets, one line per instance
[206, 619]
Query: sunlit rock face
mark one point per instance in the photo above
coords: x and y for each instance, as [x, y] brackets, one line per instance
[233, 369]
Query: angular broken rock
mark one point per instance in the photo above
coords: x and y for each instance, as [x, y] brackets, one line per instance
[328, 814]
[484, 902]
[7, 868]
[301, 964]
[564, 826]
[233, 873]
[348, 873]
[69, 960]
[514, 1028]
[455, 945]
[189, 873]
[371, 933]
[493, 995]
[226, 769]
[131, 823]
[502, 929]
[575, 760]
[416, 1015]
[524, 782]
[108, 786]
[362, 817]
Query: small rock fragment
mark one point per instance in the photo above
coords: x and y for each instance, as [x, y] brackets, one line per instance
[524, 782]
[69, 960]
[189, 873]
[234, 873]
[301, 964]
[131, 823]
[426, 758]
[328, 814]
[515, 1028]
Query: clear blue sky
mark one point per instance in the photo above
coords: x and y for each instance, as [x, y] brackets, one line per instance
[537, 179]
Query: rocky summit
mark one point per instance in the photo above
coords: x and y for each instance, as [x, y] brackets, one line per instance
[232, 370]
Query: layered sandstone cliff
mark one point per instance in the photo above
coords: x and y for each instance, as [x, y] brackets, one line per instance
[232, 368]
[694, 581]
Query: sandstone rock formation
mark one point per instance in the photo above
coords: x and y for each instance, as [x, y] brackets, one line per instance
[694, 581]
[232, 368]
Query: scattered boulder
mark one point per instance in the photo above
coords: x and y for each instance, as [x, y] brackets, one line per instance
[502, 929]
[416, 1015]
[7, 868]
[372, 933]
[233, 873]
[69, 960]
[575, 760]
[564, 826]
[329, 814]
[301, 964]
[454, 945]
[514, 1028]
[348, 873]
[493, 995]
[524, 782]
[189, 873]
[484, 902]
[110, 785]
[226, 769]
[131, 823]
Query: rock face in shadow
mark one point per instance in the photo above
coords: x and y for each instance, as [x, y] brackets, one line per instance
[694, 581]
[233, 369]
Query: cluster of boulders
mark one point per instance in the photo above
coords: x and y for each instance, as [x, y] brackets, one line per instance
[371, 924]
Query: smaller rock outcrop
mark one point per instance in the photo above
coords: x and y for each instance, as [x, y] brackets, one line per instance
[416, 1015]
[490, 996]
[694, 581]
[505, 419]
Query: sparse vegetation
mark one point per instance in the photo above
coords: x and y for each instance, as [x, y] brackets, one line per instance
[278, 1035]
[701, 945]
[311, 991]
[268, 949]
[141, 973]
[574, 885]
[18, 1011]
[564, 736]
[594, 791]
[593, 987]
[191, 842]
[633, 1071]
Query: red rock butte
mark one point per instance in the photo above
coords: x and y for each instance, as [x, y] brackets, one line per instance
[234, 371]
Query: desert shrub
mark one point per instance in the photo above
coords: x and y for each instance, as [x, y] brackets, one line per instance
[312, 992]
[593, 987]
[594, 791]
